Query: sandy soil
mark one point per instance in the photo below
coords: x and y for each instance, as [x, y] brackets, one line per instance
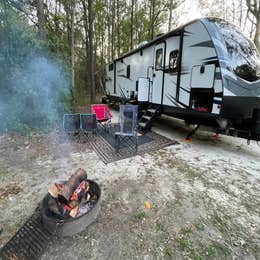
[204, 196]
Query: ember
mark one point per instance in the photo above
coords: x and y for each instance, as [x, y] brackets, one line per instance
[72, 198]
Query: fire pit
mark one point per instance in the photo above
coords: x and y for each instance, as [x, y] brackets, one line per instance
[69, 226]
[68, 208]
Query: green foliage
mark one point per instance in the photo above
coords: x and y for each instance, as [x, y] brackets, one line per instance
[33, 85]
[118, 24]
[140, 216]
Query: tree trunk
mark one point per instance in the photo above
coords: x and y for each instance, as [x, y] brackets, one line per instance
[233, 11]
[72, 46]
[152, 17]
[254, 8]
[257, 33]
[113, 30]
[41, 18]
[90, 58]
[108, 30]
[170, 16]
[241, 14]
[132, 25]
[118, 28]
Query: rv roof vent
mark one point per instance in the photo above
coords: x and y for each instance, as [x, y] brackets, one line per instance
[141, 44]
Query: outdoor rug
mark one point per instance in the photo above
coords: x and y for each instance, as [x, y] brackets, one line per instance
[104, 145]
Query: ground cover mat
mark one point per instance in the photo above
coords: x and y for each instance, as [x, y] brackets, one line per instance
[104, 145]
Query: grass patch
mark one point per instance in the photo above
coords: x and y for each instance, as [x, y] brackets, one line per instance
[160, 227]
[12, 228]
[186, 230]
[214, 250]
[140, 216]
[186, 245]
[200, 226]
[168, 251]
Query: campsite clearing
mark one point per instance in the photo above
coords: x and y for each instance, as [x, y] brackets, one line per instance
[203, 196]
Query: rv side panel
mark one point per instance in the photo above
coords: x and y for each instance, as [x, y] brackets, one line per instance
[110, 79]
[130, 69]
[200, 65]
[171, 71]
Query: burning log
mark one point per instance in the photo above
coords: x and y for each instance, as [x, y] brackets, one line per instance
[55, 189]
[72, 198]
[71, 185]
[56, 207]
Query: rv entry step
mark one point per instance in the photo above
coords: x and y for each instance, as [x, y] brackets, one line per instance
[148, 117]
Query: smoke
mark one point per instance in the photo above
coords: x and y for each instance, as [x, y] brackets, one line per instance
[35, 98]
[33, 84]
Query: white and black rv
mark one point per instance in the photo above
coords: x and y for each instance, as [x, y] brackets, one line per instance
[205, 72]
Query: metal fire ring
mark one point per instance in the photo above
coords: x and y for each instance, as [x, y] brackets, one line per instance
[39, 230]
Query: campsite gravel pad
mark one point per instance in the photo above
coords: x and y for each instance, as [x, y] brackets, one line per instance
[146, 143]
[29, 242]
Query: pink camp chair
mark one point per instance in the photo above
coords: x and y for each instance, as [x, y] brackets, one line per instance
[103, 115]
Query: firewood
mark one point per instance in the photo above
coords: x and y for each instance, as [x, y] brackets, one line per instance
[54, 191]
[88, 196]
[70, 186]
[74, 212]
[80, 192]
[55, 206]
[72, 204]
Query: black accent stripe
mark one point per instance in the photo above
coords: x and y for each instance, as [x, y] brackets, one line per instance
[218, 102]
[208, 44]
[163, 71]
[219, 94]
[182, 104]
[179, 65]
[211, 58]
[123, 76]
[114, 77]
[185, 90]
[173, 101]
[122, 92]
[187, 33]
[176, 73]
[216, 62]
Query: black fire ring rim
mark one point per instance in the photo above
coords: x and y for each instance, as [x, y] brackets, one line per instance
[71, 226]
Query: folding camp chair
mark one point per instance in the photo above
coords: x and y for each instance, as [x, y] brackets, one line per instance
[103, 115]
[71, 124]
[127, 123]
[88, 124]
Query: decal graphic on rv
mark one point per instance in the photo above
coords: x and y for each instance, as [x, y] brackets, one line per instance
[205, 72]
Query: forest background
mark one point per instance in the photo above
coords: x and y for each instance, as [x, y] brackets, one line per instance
[53, 52]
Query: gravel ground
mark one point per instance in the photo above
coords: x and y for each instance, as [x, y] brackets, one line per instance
[204, 196]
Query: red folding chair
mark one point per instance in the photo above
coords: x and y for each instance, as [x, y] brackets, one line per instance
[103, 115]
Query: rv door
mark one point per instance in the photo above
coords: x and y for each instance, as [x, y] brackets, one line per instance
[158, 73]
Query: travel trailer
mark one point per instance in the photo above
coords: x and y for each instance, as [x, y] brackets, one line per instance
[205, 72]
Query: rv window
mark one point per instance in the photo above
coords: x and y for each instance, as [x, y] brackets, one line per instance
[159, 59]
[173, 61]
[128, 71]
[111, 67]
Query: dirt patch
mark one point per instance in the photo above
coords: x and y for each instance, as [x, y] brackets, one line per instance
[10, 189]
[204, 196]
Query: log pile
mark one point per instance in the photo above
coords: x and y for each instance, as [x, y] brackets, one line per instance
[73, 198]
